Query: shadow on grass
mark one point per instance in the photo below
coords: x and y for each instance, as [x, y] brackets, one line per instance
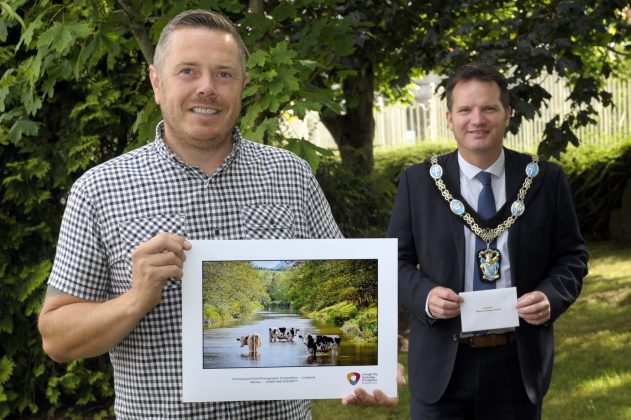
[609, 252]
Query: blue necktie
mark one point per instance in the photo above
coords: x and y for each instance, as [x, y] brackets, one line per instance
[486, 210]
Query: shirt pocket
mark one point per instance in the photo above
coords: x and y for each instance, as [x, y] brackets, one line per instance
[141, 229]
[269, 221]
[134, 232]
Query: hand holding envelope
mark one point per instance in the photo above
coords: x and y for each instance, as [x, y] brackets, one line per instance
[489, 309]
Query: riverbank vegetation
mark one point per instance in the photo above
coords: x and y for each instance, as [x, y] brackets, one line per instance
[339, 292]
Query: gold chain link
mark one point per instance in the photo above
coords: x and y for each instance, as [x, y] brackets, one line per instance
[487, 235]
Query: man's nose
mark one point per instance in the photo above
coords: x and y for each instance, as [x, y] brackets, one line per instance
[207, 85]
[477, 116]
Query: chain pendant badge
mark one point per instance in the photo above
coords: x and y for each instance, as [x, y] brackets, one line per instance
[490, 260]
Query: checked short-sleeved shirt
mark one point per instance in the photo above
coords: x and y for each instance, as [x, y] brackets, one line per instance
[259, 192]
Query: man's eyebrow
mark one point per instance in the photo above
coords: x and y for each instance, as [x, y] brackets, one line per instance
[187, 63]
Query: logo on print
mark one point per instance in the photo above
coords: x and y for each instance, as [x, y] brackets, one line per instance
[353, 378]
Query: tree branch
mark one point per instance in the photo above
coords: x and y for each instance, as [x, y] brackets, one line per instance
[138, 29]
[615, 51]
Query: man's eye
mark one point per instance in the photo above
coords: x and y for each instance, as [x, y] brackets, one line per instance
[223, 75]
[187, 71]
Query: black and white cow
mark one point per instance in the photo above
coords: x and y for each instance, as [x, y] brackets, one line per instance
[321, 343]
[253, 341]
[282, 333]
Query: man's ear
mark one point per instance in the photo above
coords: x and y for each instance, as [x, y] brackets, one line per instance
[246, 79]
[154, 76]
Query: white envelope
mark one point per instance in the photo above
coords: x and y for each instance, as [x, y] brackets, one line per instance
[489, 309]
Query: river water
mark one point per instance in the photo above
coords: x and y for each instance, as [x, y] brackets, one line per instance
[222, 350]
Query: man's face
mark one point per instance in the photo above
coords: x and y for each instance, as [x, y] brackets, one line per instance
[478, 120]
[199, 88]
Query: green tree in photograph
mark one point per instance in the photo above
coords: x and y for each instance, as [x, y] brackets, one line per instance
[277, 284]
[318, 284]
[232, 288]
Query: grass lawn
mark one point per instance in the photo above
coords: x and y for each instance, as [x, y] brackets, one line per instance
[592, 373]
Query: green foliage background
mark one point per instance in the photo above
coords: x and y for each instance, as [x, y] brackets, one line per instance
[597, 177]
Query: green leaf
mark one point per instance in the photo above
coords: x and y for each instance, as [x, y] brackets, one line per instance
[33, 278]
[145, 125]
[258, 59]
[8, 11]
[284, 11]
[50, 36]
[20, 128]
[6, 369]
[79, 29]
[27, 35]
[4, 91]
[6, 325]
[3, 30]
[308, 151]
[64, 40]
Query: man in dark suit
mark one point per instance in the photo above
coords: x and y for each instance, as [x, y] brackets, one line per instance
[514, 226]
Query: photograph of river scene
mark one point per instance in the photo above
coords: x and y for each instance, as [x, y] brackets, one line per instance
[289, 313]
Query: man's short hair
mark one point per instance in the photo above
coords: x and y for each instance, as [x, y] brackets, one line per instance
[480, 72]
[198, 18]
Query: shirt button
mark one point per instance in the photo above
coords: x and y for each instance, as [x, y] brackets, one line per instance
[455, 337]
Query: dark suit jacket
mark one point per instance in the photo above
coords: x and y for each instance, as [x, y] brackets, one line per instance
[547, 253]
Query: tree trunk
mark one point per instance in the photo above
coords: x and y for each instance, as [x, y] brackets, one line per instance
[354, 130]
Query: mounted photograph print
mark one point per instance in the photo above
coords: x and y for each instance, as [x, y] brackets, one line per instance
[289, 319]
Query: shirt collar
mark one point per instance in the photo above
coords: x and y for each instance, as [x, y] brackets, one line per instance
[166, 152]
[470, 171]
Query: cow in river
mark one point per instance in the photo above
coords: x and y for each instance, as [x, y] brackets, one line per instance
[282, 334]
[321, 343]
[253, 341]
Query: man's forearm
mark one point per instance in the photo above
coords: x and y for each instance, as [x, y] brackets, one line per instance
[73, 328]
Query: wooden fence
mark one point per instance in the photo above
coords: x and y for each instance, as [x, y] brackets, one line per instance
[401, 125]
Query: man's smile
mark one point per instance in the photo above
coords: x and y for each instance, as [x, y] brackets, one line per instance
[203, 110]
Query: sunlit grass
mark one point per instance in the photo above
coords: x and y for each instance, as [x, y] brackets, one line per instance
[592, 373]
[592, 376]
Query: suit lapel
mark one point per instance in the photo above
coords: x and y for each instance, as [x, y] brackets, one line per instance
[515, 166]
[514, 172]
[513, 182]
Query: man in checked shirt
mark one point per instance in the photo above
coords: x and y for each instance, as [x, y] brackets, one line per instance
[114, 285]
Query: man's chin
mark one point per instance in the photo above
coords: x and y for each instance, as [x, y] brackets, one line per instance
[210, 138]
